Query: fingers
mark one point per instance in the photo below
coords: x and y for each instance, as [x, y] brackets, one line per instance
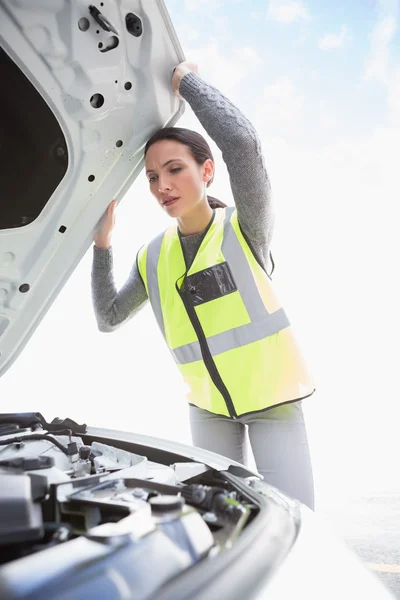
[180, 71]
[187, 65]
[111, 209]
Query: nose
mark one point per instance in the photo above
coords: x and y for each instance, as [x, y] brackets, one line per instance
[163, 185]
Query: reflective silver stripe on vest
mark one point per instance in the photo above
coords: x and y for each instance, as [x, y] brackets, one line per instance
[242, 275]
[153, 255]
[262, 323]
[233, 338]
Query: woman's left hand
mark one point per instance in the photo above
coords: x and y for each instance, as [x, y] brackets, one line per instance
[181, 70]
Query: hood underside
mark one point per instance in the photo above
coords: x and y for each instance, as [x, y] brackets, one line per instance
[84, 87]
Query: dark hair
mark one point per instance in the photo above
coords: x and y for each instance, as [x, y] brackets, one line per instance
[197, 145]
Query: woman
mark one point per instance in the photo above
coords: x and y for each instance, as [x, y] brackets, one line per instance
[208, 284]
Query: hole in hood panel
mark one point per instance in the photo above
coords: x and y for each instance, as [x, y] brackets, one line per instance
[33, 152]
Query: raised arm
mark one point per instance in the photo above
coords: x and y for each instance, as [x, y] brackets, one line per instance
[112, 307]
[241, 150]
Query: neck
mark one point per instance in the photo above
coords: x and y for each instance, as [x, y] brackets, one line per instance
[196, 220]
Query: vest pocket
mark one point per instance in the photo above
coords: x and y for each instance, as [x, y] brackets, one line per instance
[210, 284]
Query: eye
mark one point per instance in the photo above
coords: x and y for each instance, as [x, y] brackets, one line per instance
[152, 179]
[176, 169]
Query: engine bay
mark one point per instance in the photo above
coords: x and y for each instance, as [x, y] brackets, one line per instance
[74, 501]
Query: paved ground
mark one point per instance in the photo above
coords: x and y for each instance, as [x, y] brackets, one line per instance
[370, 525]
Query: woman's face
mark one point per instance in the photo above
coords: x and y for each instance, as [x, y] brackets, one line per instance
[176, 179]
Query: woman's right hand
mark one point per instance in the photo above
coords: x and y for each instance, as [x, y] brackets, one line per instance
[102, 237]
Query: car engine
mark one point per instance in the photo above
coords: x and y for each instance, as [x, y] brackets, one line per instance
[75, 512]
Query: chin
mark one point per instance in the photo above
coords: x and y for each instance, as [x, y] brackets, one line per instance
[177, 210]
[174, 212]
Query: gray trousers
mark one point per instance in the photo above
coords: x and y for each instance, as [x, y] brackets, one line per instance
[277, 438]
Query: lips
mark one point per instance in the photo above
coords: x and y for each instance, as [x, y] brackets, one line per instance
[171, 200]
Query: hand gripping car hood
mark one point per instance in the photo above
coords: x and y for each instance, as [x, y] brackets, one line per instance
[83, 88]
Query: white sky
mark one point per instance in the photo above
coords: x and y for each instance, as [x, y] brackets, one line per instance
[323, 88]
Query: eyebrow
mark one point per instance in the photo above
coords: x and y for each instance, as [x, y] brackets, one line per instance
[165, 164]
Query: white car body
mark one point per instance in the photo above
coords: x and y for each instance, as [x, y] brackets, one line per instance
[68, 75]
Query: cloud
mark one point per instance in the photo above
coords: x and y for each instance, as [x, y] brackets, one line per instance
[394, 97]
[327, 120]
[285, 11]
[224, 71]
[187, 33]
[281, 104]
[202, 4]
[331, 41]
[379, 60]
[381, 67]
[208, 4]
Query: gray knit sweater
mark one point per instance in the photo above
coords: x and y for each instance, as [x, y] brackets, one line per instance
[241, 150]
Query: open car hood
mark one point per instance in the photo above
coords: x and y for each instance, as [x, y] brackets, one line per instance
[84, 87]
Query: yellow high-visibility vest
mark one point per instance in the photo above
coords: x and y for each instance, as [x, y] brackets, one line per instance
[225, 327]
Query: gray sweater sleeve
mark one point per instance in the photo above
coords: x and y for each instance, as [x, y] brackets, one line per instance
[113, 308]
[241, 150]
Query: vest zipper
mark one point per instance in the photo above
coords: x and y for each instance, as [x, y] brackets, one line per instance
[205, 351]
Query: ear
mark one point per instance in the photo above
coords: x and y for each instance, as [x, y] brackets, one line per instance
[208, 170]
